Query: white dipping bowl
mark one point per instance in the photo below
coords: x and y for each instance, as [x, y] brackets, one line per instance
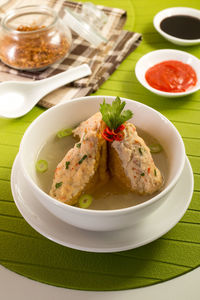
[71, 113]
[152, 58]
[169, 12]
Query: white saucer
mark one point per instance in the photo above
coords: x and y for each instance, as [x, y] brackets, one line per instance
[144, 232]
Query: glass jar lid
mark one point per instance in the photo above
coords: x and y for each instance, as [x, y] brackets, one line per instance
[87, 23]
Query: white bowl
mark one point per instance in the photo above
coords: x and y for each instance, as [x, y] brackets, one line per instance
[70, 114]
[171, 12]
[152, 58]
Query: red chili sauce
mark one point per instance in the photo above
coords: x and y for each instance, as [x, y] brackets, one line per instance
[171, 76]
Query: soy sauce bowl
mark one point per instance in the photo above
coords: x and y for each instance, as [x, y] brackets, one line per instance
[172, 11]
[152, 58]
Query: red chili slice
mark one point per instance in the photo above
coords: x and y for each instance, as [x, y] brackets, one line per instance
[120, 128]
[105, 136]
[119, 136]
[109, 131]
[111, 135]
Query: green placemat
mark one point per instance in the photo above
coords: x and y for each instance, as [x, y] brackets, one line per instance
[26, 252]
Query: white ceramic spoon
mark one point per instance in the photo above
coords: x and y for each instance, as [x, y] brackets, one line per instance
[18, 98]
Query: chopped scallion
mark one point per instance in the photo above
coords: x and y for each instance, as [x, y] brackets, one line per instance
[64, 132]
[82, 159]
[58, 184]
[67, 164]
[140, 150]
[78, 145]
[41, 165]
[85, 201]
[142, 174]
[155, 148]
[83, 138]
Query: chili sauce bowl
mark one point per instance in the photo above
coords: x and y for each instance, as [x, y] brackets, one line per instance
[176, 11]
[152, 58]
[69, 115]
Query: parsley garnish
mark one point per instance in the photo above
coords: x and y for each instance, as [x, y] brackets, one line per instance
[112, 114]
[78, 145]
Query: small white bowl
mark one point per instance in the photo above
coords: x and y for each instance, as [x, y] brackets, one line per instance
[152, 58]
[171, 12]
[72, 113]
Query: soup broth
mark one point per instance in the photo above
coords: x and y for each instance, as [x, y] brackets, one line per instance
[111, 195]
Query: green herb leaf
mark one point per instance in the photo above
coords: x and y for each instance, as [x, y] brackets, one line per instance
[142, 174]
[112, 114]
[67, 164]
[58, 184]
[78, 145]
[82, 159]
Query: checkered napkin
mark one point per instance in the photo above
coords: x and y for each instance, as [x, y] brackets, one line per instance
[103, 60]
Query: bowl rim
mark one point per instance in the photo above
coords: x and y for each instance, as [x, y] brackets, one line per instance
[159, 92]
[161, 15]
[91, 211]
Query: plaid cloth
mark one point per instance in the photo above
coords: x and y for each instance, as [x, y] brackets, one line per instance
[103, 60]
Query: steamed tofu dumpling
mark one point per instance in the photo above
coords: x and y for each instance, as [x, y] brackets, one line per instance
[108, 146]
[94, 123]
[84, 166]
[130, 161]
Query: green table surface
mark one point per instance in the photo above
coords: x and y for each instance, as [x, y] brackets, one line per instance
[26, 252]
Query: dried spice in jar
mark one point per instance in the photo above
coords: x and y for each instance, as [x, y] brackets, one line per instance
[32, 46]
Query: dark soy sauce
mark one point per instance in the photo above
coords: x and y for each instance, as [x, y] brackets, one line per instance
[181, 26]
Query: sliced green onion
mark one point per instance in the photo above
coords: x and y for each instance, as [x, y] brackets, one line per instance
[78, 145]
[82, 159]
[41, 165]
[64, 132]
[85, 201]
[58, 184]
[67, 164]
[155, 148]
[142, 174]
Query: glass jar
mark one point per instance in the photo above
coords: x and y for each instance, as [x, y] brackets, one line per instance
[33, 38]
